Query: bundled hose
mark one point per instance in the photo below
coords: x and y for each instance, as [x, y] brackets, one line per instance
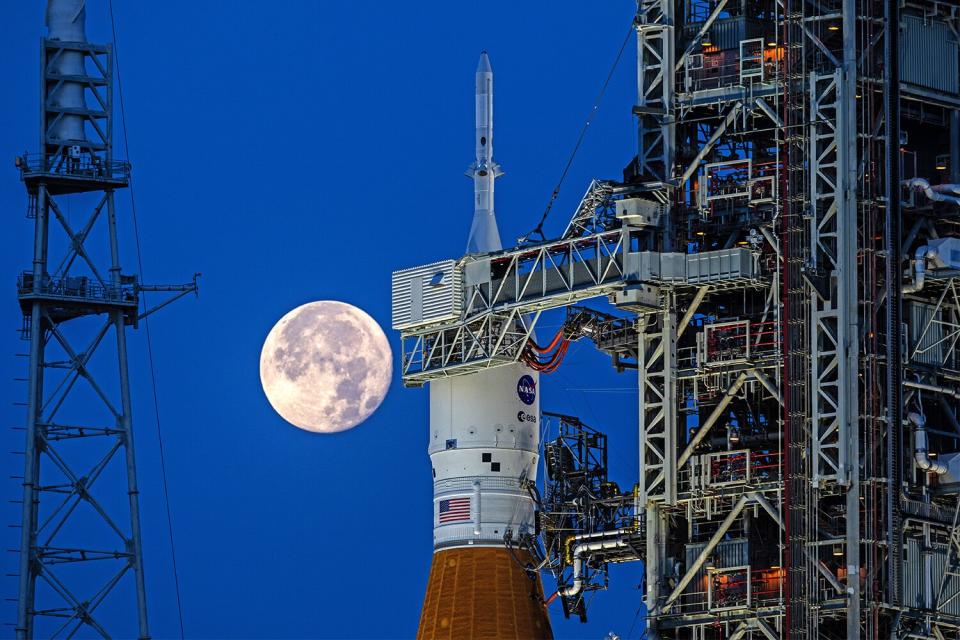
[540, 358]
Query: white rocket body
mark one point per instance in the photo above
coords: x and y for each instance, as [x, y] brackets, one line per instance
[484, 438]
[484, 427]
[66, 21]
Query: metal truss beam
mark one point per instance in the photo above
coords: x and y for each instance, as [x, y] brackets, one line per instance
[504, 293]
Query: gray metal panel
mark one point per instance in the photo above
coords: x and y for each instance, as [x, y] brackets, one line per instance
[639, 211]
[426, 294]
[713, 266]
[730, 553]
[926, 343]
[651, 266]
[476, 272]
[915, 580]
[416, 299]
[693, 268]
[726, 33]
[928, 55]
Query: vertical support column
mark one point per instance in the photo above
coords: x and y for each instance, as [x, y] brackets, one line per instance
[849, 322]
[657, 398]
[831, 271]
[892, 276]
[655, 90]
[656, 525]
[31, 465]
[658, 444]
[833, 308]
[125, 424]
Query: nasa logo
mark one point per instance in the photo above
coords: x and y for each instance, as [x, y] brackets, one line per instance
[527, 389]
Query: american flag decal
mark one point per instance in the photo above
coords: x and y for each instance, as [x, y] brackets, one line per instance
[455, 510]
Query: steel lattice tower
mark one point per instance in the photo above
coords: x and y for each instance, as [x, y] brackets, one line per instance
[79, 537]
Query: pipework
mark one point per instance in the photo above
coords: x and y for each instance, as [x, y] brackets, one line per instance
[921, 453]
[937, 193]
[921, 256]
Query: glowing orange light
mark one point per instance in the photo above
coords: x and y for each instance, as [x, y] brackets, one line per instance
[774, 54]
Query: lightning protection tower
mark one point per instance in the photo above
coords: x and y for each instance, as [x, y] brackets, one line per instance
[80, 537]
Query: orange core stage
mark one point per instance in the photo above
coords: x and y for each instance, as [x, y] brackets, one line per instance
[482, 592]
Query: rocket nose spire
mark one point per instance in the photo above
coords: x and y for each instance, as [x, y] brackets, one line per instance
[484, 65]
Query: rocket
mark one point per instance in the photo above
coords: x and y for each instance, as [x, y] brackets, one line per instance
[483, 446]
[484, 235]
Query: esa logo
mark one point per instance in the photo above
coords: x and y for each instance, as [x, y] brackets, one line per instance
[527, 389]
[523, 416]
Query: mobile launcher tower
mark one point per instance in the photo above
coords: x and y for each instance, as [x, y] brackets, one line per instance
[781, 259]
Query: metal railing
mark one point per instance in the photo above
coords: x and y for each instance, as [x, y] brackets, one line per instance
[78, 288]
[85, 165]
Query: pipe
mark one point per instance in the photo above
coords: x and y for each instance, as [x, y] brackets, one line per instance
[578, 552]
[920, 267]
[932, 387]
[936, 193]
[920, 452]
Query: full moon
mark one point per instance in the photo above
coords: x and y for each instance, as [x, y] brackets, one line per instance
[326, 366]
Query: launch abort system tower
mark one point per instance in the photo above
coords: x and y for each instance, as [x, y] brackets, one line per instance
[80, 531]
[781, 261]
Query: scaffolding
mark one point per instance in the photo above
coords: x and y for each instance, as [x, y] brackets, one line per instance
[780, 258]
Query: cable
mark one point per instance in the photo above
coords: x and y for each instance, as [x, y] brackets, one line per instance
[634, 623]
[538, 230]
[146, 324]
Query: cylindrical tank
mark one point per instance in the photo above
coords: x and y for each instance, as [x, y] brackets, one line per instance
[484, 438]
[66, 20]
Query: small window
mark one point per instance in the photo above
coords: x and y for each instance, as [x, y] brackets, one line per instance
[487, 457]
[494, 466]
[436, 279]
[434, 472]
[452, 444]
[483, 141]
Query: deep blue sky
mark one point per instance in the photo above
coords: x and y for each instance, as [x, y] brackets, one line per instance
[291, 152]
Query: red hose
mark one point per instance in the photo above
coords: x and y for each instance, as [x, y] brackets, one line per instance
[553, 343]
